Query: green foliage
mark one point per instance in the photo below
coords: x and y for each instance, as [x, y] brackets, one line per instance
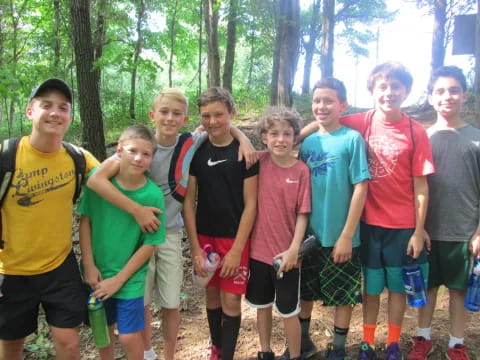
[355, 20]
[27, 55]
[40, 343]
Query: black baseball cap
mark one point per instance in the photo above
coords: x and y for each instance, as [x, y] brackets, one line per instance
[53, 83]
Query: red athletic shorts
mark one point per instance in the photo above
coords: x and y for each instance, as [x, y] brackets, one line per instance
[236, 284]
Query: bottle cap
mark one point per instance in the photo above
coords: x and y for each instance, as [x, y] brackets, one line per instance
[208, 248]
[93, 303]
[410, 260]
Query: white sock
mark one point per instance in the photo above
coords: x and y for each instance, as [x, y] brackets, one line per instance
[425, 332]
[454, 341]
[150, 354]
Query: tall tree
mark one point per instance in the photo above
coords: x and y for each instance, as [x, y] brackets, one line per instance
[438, 36]
[200, 37]
[444, 12]
[87, 80]
[477, 66]
[310, 45]
[57, 38]
[172, 43]
[287, 43]
[353, 16]
[231, 42]
[210, 13]
[327, 38]
[100, 31]
[136, 56]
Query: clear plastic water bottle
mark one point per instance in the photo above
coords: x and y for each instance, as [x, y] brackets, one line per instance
[472, 300]
[306, 246]
[212, 261]
[98, 322]
[414, 284]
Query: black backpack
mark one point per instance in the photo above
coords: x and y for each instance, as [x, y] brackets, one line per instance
[8, 151]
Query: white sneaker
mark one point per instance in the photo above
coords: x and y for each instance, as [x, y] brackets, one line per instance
[150, 355]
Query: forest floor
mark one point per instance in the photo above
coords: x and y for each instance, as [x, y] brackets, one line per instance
[193, 338]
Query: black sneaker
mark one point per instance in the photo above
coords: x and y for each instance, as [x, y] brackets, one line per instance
[285, 355]
[308, 348]
[265, 355]
[334, 353]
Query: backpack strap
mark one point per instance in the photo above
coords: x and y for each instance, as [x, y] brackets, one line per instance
[8, 152]
[80, 164]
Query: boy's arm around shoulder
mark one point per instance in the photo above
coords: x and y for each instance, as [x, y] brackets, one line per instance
[307, 130]
[231, 260]
[246, 149]
[100, 183]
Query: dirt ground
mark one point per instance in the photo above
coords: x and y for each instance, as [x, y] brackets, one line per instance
[193, 338]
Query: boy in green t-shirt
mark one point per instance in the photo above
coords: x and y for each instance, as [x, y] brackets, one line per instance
[115, 252]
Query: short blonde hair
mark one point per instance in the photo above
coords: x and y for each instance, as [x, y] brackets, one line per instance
[138, 132]
[172, 94]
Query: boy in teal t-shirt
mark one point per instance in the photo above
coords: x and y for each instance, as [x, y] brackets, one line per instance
[115, 252]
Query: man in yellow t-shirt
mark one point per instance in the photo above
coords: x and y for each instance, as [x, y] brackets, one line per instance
[36, 260]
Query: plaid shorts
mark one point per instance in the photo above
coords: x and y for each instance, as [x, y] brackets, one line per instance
[334, 284]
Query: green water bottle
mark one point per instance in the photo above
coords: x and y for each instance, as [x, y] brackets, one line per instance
[98, 322]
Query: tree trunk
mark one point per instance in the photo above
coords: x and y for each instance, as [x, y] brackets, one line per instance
[438, 36]
[477, 67]
[136, 56]
[15, 14]
[56, 40]
[276, 57]
[328, 31]
[210, 11]
[310, 46]
[287, 44]
[200, 34]
[172, 44]
[87, 80]
[252, 51]
[231, 42]
[2, 50]
[100, 31]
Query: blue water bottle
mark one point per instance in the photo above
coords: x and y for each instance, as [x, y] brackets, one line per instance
[472, 300]
[414, 284]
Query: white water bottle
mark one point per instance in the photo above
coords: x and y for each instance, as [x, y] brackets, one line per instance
[212, 261]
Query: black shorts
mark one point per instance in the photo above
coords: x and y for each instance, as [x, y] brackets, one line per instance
[60, 292]
[263, 289]
[334, 284]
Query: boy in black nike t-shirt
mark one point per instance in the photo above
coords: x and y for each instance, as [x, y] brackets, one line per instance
[223, 217]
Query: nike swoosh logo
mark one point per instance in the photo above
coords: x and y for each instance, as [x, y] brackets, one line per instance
[290, 181]
[213, 163]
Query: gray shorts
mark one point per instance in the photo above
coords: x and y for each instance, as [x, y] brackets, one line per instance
[165, 273]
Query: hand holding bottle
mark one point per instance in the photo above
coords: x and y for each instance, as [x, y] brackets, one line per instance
[211, 263]
[98, 322]
[308, 245]
[414, 284]
[472, 300]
